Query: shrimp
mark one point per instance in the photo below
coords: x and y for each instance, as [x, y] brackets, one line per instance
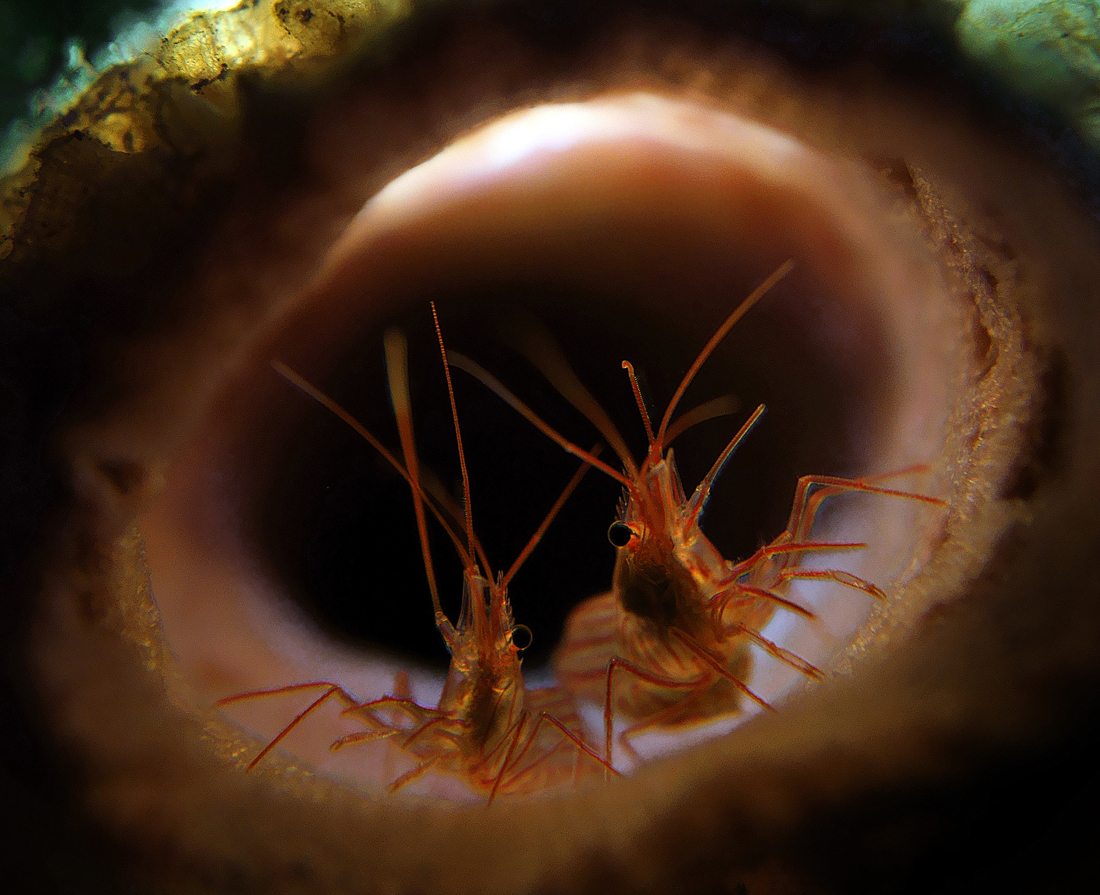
[488, 729]
[677, 626]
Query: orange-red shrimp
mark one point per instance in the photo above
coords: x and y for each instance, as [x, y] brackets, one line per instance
[671, 642]
[488, 729]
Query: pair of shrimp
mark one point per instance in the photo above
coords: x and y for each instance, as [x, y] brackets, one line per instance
[670, 643]
[488, 729]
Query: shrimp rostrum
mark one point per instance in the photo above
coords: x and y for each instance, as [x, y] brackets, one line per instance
[670, 644]
[488, 730]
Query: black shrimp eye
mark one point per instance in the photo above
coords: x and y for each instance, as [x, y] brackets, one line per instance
[619, 534]
[522, 637]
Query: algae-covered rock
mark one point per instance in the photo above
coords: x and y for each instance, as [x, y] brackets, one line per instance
[1046, 49]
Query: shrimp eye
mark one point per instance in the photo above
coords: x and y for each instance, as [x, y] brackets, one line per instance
[619, 534]
[524, 639]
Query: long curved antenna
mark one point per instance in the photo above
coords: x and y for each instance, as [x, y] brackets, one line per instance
[545, 354]
[722, 331]
[397, 372]
[428, 487]
[725, 405]
[501, 391]
[436, 490]
[554, 510]
[458, 436]
[325, 401]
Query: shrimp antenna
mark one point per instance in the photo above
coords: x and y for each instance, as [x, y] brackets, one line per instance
[458, 438]
[397, 372]
[501, 391]
[629, 367]
[545, 354]
[435, 489]
[554, 510]
[726, 405]
[300, 382]
[722, 331]
[702, 492]
[429, 486]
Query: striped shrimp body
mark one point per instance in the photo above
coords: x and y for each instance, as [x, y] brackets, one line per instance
[672, 643]
[488, 731]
